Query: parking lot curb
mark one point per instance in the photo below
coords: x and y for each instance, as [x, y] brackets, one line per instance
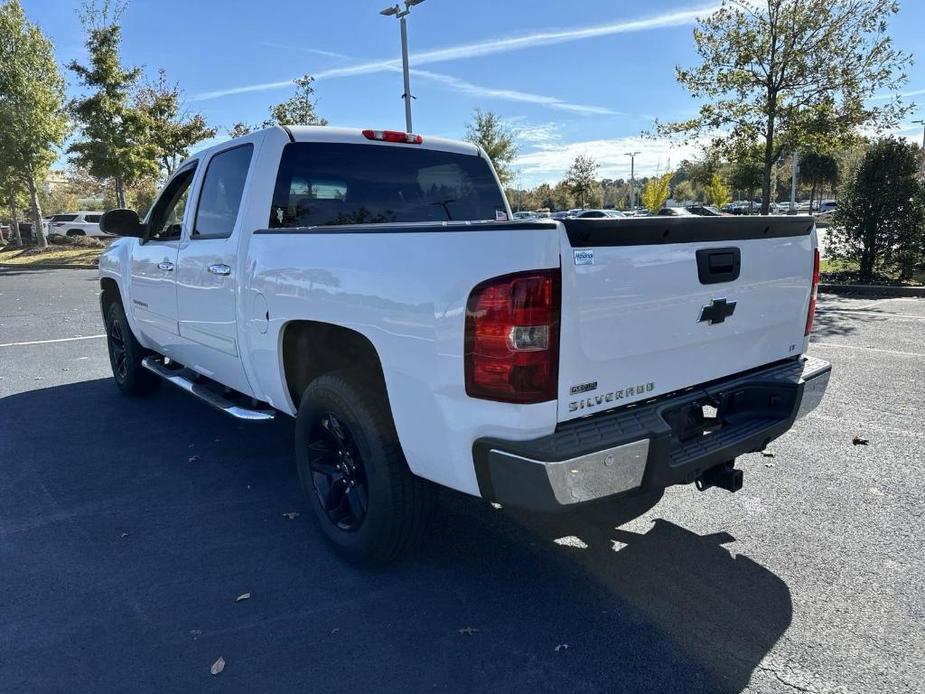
[871, 290]
[22, 266]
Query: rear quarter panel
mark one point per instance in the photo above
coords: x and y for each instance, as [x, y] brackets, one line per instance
[405, 292]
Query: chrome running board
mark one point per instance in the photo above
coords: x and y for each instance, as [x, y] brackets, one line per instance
[201, 391]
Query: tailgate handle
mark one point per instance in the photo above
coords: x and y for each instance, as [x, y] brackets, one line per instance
[716, 265]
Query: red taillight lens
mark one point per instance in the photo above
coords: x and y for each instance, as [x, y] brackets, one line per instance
[812, 296]
[393, 136]
[512, 337]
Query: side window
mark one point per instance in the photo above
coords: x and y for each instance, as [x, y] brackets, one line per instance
[222, 189]
[92, 218]
[166, 219]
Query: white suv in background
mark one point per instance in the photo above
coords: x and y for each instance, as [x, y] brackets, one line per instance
[76, 224]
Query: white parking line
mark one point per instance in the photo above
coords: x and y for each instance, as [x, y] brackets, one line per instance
[866, 349]
[45, 342]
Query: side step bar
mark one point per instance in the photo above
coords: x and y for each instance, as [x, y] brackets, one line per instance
[218, 401]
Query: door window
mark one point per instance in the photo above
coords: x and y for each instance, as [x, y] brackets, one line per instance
[166, 219]
[222, 190]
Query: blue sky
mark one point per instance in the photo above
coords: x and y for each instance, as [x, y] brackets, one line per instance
[570, 77]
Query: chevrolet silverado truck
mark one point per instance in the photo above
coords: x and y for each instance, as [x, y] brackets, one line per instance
[374, 286]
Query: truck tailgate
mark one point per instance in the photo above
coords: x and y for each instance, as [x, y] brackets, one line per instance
[651, 306]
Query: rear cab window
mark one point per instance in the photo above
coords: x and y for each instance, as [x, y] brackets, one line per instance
[331, 184]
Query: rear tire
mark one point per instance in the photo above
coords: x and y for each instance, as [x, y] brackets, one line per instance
[366, 501]
[75, 232]
[125, 354]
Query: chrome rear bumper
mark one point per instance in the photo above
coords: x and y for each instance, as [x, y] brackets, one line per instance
[650, 446]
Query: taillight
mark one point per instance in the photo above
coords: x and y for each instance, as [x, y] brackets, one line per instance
[512, 337]
[812, 297]
[393, 136]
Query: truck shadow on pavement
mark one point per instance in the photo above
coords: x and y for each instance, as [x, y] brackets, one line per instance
[833, 323]
[129, 526]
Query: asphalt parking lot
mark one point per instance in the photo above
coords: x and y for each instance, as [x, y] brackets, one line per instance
[129, 526]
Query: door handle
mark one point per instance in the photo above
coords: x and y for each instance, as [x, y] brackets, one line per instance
[166, 265]
[220, 269]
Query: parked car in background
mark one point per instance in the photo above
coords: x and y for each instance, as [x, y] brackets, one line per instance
[598, 214]
[675, 212]
[525, 215]
[705, 211]
[76, 224]
[827, 206]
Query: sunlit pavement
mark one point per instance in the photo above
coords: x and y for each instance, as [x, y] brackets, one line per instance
[129, 526]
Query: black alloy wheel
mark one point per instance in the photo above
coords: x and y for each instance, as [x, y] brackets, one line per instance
[337, 471]
[117, 353]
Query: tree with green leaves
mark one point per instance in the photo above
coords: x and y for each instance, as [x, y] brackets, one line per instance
[33, 121]
[816, 169]
[656, 191]
[880, 221]
[488, 131]
[239, 129]
[581, 178]
[684, 191]
[745, 176]
[717, 192]
[12, 196]
[114, 143]
[792, 74]
[171, 128]
[299, 109]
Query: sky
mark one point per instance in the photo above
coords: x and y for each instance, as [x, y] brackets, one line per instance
[569, 77]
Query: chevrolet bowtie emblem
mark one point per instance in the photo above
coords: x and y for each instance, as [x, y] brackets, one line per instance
[717, 311]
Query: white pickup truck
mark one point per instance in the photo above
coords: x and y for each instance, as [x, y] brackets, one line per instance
[371, 285]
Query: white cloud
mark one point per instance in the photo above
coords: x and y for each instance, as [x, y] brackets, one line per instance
[550, 160]
[536, 135]
[904, 95]
[552, 102]
[503, 44]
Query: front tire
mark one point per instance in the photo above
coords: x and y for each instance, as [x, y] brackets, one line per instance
[366, 501]
[125, 354]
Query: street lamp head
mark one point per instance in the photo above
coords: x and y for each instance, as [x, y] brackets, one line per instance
[411, 3]
[389, 11]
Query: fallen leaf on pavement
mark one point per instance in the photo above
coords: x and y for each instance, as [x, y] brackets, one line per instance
[469, 631]
[193, 459]
[291, 515]
[858, 441]
[561, 647]
[242, 597]
[123, 535]
[217, 666]
[767, 454]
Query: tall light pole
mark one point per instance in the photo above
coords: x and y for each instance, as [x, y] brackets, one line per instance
[401, 14]
[922, 123]
[794, 177]
[632, 156]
